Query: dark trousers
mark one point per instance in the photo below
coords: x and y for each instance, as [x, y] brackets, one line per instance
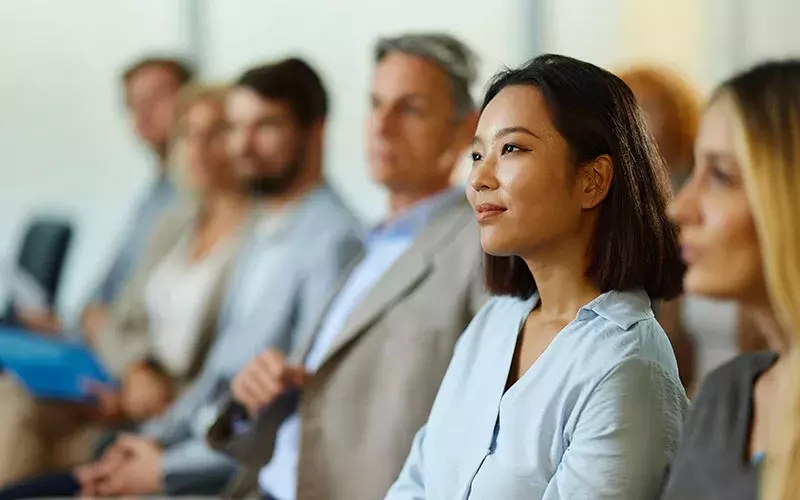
[62, 484]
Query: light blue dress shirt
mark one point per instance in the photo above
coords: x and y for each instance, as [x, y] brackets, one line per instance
[383, 246]
[158, 198]
[597, 416]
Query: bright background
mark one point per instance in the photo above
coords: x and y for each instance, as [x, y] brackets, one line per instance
[66, 146]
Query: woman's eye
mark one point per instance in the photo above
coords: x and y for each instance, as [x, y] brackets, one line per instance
[510, 148]
[719, 177]
[476, 157]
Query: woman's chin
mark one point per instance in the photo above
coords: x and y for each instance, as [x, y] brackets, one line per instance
[496, 249]
[700, 285]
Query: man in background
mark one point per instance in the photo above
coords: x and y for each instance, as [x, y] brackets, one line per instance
[152, 87]
[302, 239]
[335, 419]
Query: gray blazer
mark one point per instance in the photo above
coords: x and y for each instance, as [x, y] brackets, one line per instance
[281, 282]
[126, 337]
[359, 412]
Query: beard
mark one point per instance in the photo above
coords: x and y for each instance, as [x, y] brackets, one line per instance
[273, 184]
[278, 179]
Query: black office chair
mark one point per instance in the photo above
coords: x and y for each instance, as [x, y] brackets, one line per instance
[42, 255]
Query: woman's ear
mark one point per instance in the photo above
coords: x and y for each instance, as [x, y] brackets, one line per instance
[595, 181]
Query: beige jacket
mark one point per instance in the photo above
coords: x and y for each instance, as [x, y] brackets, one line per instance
[126, 338]
[376, 386]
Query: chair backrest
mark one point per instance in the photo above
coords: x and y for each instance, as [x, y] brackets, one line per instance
[43, 253]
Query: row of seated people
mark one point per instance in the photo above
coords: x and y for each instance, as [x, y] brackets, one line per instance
[331, 354]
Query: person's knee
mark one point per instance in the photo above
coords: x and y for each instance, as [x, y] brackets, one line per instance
[15, 401]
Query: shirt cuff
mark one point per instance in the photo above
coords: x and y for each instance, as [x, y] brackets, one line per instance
[192, 467]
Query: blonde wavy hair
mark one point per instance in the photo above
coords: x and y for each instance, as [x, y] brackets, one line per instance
[191, 95]
[766, 100]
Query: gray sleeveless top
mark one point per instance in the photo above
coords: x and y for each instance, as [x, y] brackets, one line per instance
[711, 462]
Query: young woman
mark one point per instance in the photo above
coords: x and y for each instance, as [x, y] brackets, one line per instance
[740, 237]
[566, 387]
[164, 322]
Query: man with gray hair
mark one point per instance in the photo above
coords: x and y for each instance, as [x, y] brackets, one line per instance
[335, 419]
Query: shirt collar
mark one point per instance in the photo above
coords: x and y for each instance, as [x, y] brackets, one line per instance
[624, 309]
[270, 222]
[410, 222]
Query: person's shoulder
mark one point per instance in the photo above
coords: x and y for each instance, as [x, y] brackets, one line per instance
[457, 216]
[739, 371]
[180, 213]
[723, 392]
[624, 323]
[174, 223]
[619, 328]
[328, 212]
[457, 232]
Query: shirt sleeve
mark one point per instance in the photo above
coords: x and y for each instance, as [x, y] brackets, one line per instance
[176, 424]
[410, 485]
[136, 235]
[192, 466]
[625, 436]
[112, 281]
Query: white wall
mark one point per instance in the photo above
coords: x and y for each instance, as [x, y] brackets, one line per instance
[705, 41]
[772, 30]
[64, 138]
[617, 34]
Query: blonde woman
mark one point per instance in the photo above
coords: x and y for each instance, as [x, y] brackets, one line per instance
[740, 221]
[163, 323]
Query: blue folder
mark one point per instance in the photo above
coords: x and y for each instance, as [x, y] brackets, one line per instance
[51, 367]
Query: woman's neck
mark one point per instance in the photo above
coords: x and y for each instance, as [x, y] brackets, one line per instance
[223, 208]
[764, 320]
[560, 275]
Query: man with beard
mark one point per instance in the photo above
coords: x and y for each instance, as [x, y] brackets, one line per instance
[302, 239]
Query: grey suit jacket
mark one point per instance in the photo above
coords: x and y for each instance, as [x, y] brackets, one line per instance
[375, 388]
[281, 282]
[126, 337]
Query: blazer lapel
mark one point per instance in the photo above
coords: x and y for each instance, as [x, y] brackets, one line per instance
[410, 269]
[306, 340]
[208, 326]
[210, 322]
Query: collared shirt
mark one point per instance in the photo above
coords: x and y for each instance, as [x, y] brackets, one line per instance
[597, 415]
[159, 197]
[383, 247]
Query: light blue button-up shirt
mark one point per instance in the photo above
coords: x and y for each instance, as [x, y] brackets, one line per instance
[383, 246]
[597, 416]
